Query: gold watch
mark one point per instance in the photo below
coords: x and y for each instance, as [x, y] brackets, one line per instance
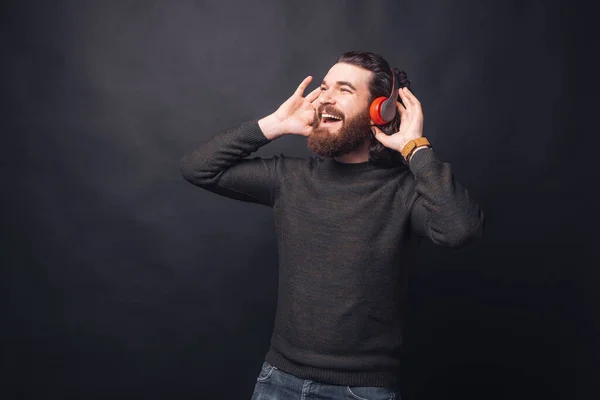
[412, 145]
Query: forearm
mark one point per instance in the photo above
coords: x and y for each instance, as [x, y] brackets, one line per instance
[203, 165]
[448, 215]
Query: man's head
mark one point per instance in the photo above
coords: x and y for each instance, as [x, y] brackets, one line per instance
[343, 106]
[342, 111]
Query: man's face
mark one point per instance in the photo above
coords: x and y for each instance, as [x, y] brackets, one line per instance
[342, 111]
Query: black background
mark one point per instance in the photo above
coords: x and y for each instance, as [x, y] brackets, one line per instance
[121, 280]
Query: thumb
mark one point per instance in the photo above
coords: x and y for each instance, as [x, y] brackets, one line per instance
[379, 135]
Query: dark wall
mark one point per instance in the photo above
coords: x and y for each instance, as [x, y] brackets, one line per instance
[120, 279]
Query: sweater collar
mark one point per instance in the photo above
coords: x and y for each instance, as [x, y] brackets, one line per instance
[341, 166]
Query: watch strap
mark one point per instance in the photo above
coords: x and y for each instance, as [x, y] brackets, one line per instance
[412, 145]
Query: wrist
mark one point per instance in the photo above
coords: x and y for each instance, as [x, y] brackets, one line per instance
[415, 150]
[412, 145]
[270, 126]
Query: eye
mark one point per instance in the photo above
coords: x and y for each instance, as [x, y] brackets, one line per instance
[323, 88]
[345, 90]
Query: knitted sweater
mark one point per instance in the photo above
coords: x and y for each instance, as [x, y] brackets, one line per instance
[346, 237]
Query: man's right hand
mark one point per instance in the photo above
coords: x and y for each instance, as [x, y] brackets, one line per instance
[295, 116]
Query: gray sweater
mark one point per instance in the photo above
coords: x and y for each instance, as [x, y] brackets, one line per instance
[346, 237]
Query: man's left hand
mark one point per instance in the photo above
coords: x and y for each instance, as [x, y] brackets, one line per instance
[411, 122]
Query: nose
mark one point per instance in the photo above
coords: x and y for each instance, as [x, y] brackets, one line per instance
[325, 97]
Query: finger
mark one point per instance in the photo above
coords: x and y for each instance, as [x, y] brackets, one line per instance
[413, 99]
[400, 107]
[312, 96]
[405, 101]
[379, 135]
[402, 111]
[303, 85]
[415, 103]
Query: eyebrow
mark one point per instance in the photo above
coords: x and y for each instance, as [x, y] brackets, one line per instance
[341, 83]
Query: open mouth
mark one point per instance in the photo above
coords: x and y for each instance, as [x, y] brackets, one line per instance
[330, 120]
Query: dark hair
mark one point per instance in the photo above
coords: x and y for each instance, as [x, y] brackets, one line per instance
[380, 85]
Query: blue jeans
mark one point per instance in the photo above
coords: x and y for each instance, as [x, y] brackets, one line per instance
[274, 384]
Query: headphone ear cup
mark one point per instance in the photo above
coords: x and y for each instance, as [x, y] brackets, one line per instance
[375, 111]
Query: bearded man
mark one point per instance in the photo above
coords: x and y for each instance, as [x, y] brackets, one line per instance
[347, 220]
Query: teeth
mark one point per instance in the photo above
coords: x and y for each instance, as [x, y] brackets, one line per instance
[330, 116]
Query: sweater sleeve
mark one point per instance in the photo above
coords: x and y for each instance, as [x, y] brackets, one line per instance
[220, 166]
[443, 210]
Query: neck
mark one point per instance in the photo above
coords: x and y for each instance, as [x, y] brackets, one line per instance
[361, 154]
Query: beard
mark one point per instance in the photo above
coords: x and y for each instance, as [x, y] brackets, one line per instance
[349, 137]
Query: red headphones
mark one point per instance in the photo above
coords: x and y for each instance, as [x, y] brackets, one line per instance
[383, 109]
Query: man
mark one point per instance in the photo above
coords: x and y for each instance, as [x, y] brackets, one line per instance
[347, 223]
